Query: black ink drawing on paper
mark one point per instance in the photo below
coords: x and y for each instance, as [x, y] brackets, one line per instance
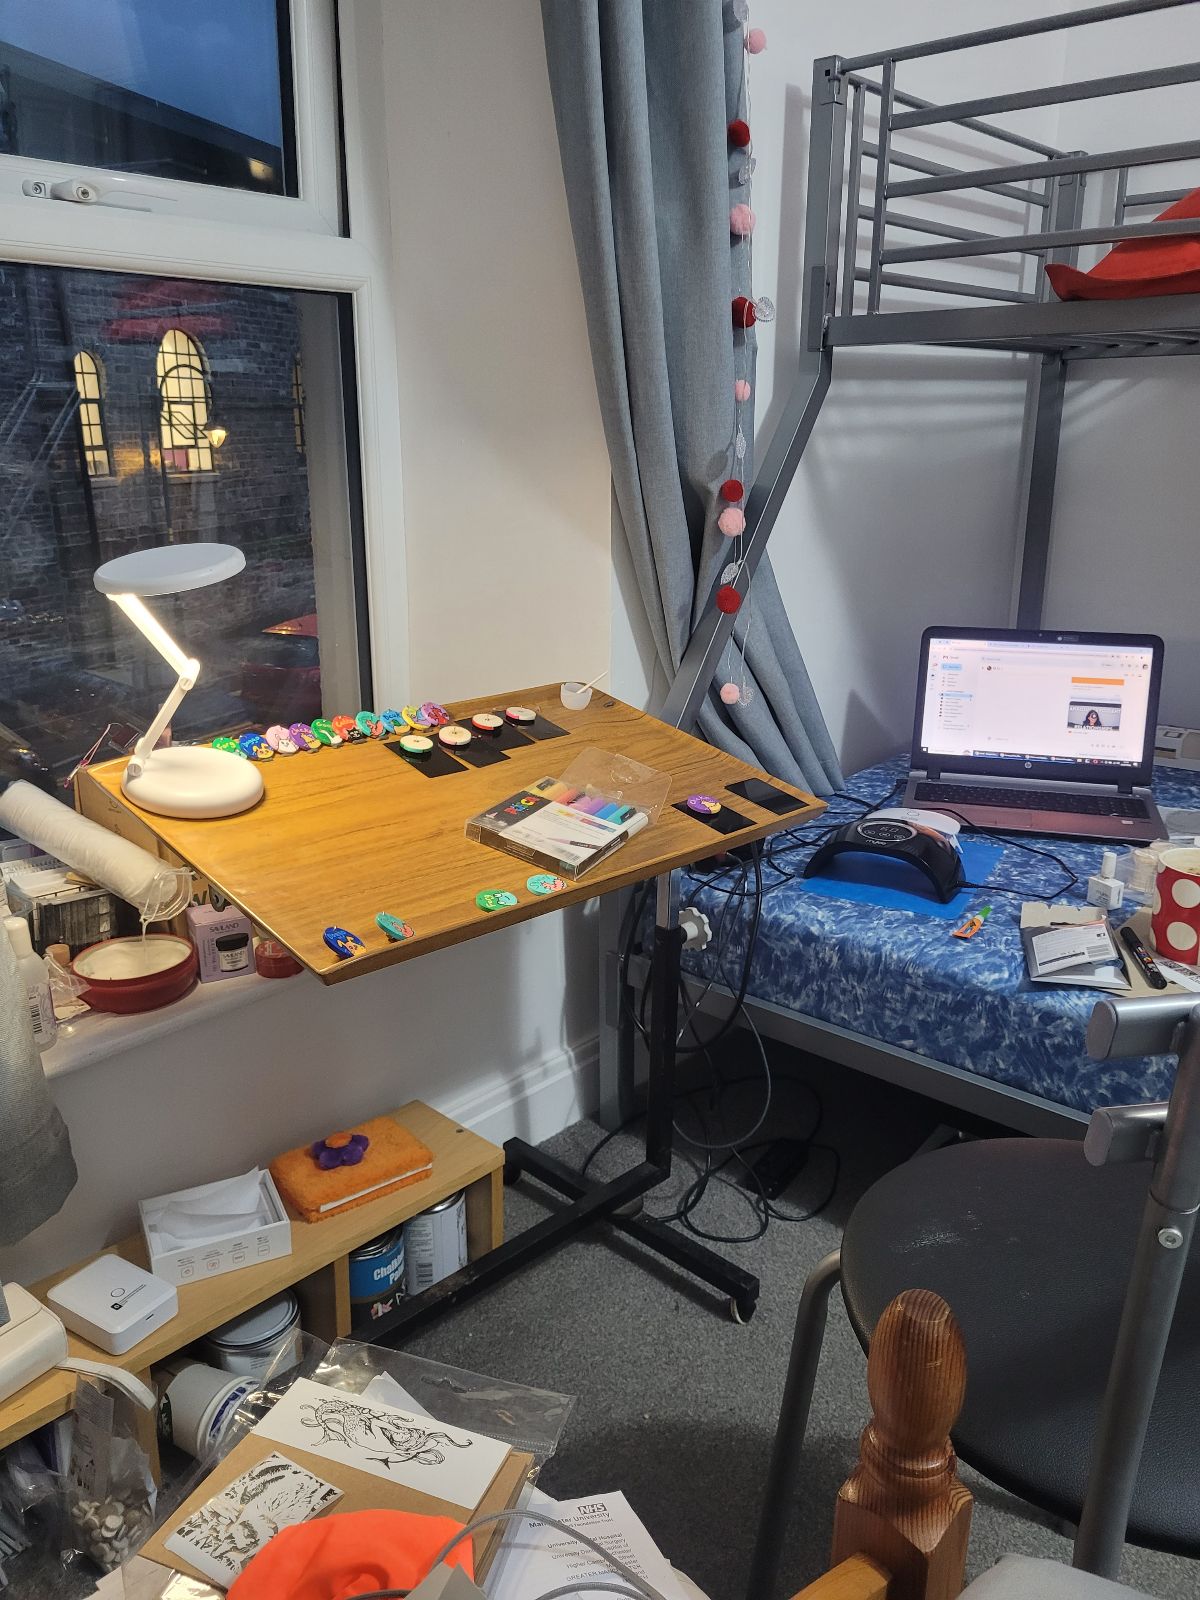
[221, 1536]
[362, 1428]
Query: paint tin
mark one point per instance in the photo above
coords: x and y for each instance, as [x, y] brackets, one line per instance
[196, 1403]
[435, 1243]
[377, 1277]
[250, 1344]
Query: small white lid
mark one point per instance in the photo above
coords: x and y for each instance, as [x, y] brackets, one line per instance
[18, 936]
[1108, 864]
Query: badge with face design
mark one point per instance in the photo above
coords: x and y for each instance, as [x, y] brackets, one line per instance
[255, 747]
[280, 740]
[343, 943]
[393, 927]
[495, 899]
[230, 746]
[303, 737]
[324, 730]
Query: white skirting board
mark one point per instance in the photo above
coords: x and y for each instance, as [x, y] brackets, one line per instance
[534, 1105]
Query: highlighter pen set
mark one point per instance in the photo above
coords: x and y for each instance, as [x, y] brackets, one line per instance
[592, 805]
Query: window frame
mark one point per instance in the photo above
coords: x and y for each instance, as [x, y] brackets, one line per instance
[97, 400]
[356, 265]
[194, 360]
[315, 208]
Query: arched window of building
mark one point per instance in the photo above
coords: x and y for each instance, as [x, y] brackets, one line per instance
[185, 397]
[298, 403]
[90, 386]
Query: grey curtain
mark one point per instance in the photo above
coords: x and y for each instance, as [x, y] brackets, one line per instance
[643, 93]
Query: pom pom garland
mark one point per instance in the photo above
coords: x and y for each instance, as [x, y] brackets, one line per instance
[730, 693]
[739, 133]
[741, 220]
[741, 389]
[756, 41]
[744, 314]
[728, 599]
[732, 490]
[731, 522]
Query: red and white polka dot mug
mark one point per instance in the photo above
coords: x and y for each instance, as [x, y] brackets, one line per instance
[1175, 924]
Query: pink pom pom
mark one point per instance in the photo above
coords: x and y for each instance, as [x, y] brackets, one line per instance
[741, 220]
[756, 41]
[741, 389]
[732, 521]
[730, 693]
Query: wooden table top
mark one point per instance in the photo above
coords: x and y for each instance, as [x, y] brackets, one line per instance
[342, 834]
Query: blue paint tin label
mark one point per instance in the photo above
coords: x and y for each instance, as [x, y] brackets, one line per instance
[378, 1267]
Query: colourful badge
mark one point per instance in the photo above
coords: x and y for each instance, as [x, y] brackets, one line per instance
[369, 725]
[487, 722]
[393, 927]
[393, 721]
[348, 729]
[280, 740]
[545, 883]
[416, 719]
[416, 745]
[255, 747]
[495, 899]
[303, 737]
[454, 737]
[520, 714]
[342, 942]
[703, 805]
[230, 746]
[436, 715]
[325, 731]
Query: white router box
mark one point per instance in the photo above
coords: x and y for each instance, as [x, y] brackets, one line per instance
[113, 1303]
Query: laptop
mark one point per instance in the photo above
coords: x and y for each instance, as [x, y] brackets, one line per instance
[1039, 732]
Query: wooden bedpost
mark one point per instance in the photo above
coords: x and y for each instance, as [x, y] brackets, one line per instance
[903, 1506]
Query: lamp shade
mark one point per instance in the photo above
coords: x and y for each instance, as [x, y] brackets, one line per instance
[169, 569]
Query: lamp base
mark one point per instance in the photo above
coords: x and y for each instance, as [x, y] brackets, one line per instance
[189, 780]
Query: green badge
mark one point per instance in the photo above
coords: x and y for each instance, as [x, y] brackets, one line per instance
[545, 883]
[495, 899]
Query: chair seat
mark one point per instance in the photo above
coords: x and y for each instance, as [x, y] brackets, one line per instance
[1031, 1248]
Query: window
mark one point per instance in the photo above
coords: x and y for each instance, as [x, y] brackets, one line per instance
[298, 403]
[88, 383]
[184, 397]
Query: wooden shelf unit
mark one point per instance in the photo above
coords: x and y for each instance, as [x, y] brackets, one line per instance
[317, 1269]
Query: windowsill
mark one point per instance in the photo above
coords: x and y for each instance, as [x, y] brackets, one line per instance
[100, 1034]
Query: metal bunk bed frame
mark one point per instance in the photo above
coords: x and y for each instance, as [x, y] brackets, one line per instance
[836, 316]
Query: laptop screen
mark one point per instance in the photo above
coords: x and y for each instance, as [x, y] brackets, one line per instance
[1023, 700]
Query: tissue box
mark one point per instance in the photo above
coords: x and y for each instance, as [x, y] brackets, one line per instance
[224, 943]
[221, 1247]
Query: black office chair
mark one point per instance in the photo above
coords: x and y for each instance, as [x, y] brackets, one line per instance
[1084, 1330]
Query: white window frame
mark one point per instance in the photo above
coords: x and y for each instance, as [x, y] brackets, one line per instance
[316, 208]
[358, 265]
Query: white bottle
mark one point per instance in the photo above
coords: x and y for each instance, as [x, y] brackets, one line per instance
[1106, 890]
[31, 970]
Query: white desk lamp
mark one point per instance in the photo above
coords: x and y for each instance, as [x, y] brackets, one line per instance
[178, 780]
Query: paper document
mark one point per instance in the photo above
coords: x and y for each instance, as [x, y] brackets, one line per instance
[535, 1559]
[1079, 954]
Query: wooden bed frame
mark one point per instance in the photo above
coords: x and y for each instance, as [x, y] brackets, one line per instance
[903, 1518]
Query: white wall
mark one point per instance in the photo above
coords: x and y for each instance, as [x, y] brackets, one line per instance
[1126, 522]
[507, 527]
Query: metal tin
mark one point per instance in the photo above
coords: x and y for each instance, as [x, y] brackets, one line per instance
[251, 1343]
[435, 1243]
[377, 1276]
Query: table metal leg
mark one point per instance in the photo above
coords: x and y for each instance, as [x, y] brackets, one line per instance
[590, 1201]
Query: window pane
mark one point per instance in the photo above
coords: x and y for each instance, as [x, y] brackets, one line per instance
[141, 411]
[151, 86]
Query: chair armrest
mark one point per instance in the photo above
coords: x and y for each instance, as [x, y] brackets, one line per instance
[856, 1578]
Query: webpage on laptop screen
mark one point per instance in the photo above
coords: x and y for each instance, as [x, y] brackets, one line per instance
[1009, 699]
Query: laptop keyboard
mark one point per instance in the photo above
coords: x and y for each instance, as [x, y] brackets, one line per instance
[966, 794]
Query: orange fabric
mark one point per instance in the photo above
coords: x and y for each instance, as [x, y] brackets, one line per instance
[1137, 267]
[306, 1187]
[347, 1554]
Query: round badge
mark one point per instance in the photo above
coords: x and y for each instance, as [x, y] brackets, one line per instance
[324, 730]
[281, 740]
[453, 737]
[303, 737]
[416, 744]
[521, 715]
[487, 722]
[393, 721]
[255, 747]
[395, 929]
[437, 716]
[415, 718]
[342, 942]
[369, 725]
[495, 899]
[545, 883]
[230, 746]
[703, 805]
[348, 729]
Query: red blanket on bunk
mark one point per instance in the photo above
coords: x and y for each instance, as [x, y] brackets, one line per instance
[1138, 267]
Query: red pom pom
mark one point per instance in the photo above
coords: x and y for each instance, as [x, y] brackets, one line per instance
[739, 133]
[728, 599]
[744, 315]
[732, 490]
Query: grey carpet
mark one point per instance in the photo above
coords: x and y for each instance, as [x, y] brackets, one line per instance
[676, 1403]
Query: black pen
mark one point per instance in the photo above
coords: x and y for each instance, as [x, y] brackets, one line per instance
[1144, 959]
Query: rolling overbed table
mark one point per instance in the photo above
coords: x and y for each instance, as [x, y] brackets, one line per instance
[343, 834]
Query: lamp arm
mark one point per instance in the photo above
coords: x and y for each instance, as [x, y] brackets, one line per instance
[187, 667]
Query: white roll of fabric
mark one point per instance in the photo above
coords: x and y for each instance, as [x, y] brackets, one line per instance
[156, 889]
